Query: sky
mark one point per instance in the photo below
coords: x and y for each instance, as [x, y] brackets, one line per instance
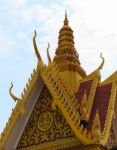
[94, 23]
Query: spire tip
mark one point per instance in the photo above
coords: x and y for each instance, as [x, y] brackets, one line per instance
[66, 19]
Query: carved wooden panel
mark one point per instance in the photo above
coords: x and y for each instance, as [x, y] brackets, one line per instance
[45, 124]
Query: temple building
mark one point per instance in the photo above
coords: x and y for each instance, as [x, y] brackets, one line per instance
[61, 107]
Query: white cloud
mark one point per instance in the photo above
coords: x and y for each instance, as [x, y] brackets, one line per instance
[13, 4]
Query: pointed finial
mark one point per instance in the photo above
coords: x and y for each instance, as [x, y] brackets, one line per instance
[40, 61]
[96, 128]
[48, 55]
[102, 64]
[35, 45]
[12, 95]
[66, 20]
[65, 13]
[83, 108]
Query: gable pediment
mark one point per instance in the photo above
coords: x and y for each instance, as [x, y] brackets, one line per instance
[45, 125]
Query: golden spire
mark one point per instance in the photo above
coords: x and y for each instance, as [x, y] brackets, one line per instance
[66, 20]
[67, 57]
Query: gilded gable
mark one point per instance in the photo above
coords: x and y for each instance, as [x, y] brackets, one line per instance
[45, 124]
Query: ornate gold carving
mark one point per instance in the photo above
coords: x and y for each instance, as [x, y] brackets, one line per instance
[66, 57]
[96, 129]
[45, 124]
[48, 55]
[40, 61]
[83, 108]
[102, 64]
[66, 102]
[54, 145]
[59, 128]
[12, 95]
[45, 121]
[35, 45]
[95, 76]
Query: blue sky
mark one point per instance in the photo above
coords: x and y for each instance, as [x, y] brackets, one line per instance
[95, 30]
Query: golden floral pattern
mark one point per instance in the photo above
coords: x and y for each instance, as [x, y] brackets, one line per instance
[45, 121]
[55, 127]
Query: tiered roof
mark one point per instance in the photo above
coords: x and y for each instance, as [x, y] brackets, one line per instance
[88, 111]
[66, 56]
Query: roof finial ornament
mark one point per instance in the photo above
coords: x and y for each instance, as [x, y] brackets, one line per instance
[96, 128]
[40, 61]
[35, 45]
[66, 19]
[83, 108]
[48, 55]
[102, 64]
[11, 94]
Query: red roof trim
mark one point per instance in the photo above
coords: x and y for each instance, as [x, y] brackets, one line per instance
[101, 102]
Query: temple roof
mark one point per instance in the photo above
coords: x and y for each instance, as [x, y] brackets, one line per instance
[88, 111]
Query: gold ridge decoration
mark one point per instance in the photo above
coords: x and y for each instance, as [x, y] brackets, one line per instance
[66, 102]
[102, 64]
[48, 55]
[96, 129]
[35, 45]
[55, 145]
[19, 108]
[62, 100]
[95, 76]
[40, 61]
[12, 95]
[83, 108]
